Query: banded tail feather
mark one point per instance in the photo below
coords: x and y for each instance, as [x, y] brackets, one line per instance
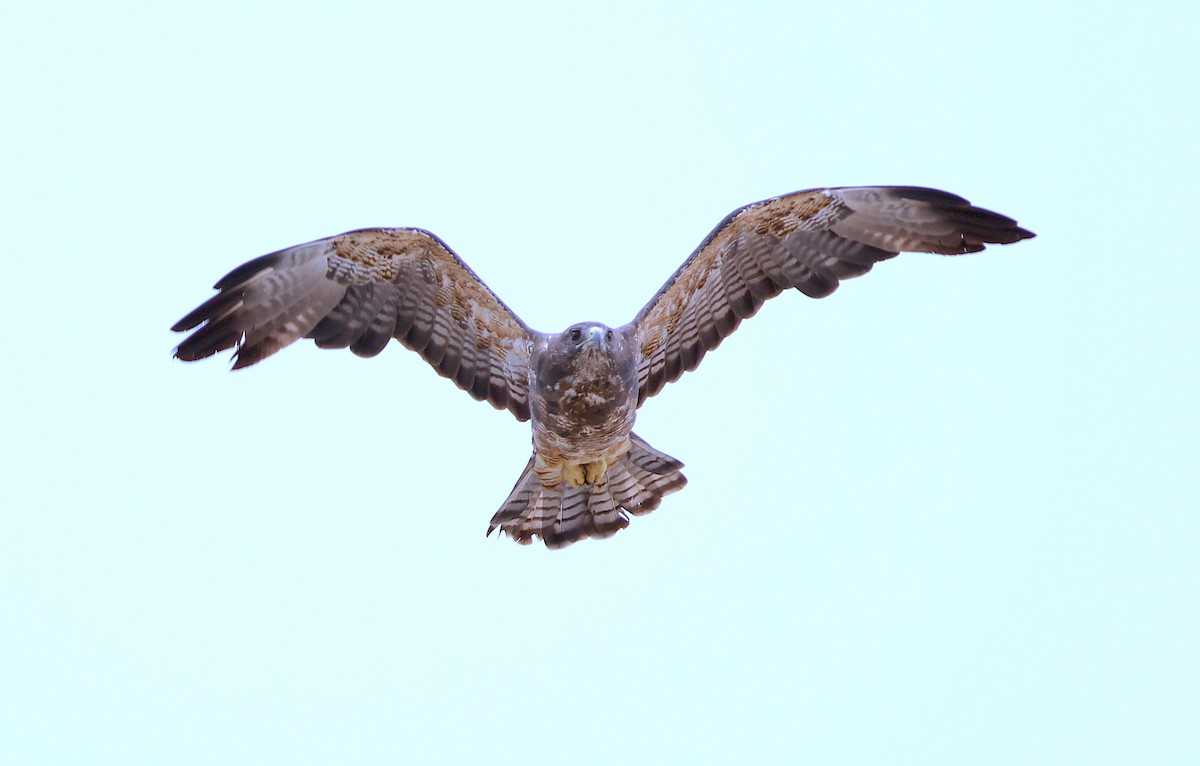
[561, 514]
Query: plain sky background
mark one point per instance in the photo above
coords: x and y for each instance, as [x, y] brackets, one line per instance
[946, 516]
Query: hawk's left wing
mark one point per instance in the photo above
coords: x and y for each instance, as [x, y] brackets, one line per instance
[808, 240]
[360, 289]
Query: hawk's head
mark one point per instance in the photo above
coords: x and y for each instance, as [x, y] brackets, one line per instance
[587, 351]
[586, 337]
[587, 373]
[590, 346]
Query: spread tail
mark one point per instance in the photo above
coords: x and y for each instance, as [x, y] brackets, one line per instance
[562, 514]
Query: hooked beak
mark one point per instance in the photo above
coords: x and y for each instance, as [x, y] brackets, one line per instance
[594, 338]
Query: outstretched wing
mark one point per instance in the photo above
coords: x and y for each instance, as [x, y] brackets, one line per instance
[808, 240]
[361, 289]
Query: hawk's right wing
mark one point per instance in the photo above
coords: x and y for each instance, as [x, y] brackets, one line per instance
[361, 289]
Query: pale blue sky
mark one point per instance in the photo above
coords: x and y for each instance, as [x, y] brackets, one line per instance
[946, 516]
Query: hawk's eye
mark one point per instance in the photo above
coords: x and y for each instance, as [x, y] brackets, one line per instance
[576, 334]
[608, 336]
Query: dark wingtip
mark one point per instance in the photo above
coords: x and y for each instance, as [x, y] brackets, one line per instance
[926, 194]
[246, 270]
[980, 226]
[247, 355]
[207, 341]
[1004, 235]
[207, 311]
[216, 334]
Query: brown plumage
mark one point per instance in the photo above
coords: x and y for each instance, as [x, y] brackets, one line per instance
[580, 387]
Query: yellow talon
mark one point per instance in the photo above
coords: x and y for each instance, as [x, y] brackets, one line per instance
[596, 471]
[573, 474]
[578, 474]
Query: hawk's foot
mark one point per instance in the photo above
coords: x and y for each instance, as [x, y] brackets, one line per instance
[573, 474]
[578, 474]
[594, 472]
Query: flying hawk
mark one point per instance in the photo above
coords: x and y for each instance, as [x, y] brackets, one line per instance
[581, 387]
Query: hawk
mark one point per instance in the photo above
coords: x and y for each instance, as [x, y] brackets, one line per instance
[581, 388]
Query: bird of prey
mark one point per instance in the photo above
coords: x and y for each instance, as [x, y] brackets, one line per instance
[581, 387]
